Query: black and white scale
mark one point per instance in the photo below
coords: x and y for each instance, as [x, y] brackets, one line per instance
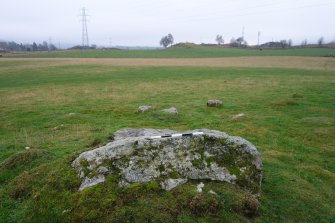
[175, 135]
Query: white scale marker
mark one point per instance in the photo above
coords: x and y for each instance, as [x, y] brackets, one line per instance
[176, 135]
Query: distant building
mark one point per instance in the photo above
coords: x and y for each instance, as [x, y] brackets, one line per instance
[3, 51]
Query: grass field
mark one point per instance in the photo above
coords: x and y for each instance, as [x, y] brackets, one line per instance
[289, 116]
[181, 52]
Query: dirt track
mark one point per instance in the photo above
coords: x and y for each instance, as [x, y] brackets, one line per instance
[314, 63]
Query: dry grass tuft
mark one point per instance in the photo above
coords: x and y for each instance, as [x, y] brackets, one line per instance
[296, 95]
[318, 120]
[248, 207]
[204, 204]
[20, 186]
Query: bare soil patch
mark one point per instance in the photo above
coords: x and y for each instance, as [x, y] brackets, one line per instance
[310, 63]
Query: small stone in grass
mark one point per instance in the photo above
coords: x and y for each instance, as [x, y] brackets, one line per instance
[214, 103]
[58, 127]
[199, 187]
[238, 116]
[172, 110]
[144, 108]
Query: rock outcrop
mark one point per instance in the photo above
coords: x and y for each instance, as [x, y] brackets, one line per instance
[134, 157]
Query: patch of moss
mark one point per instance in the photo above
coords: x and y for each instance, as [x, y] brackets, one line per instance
[112, 166]
[249, 179]
[202, 153]
[152, 186]
[92, 174]
[226, 160]
[174, 175]
[96, 142]
[171, 174]
[85, 164]
[161, 168]
[140, 163]
[111, 137]
[198, 163]
[136, 152]
[210, 160]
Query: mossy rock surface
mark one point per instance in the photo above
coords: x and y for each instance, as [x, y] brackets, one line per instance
[134, 158]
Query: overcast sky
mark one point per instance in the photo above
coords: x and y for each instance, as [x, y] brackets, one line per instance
[144, 22]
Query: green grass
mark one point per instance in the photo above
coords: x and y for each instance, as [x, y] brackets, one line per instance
[289, 116]
[181, 52]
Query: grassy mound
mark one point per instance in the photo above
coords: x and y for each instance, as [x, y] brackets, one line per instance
[51, 196]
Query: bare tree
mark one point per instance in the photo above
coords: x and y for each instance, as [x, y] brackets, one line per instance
[43, 46]
[233, 42]
[34, 46]
[283, 43]
[289, 43]
[219, 39]
[52, 47]
[239, 42]
[167, 40]
[321, 41]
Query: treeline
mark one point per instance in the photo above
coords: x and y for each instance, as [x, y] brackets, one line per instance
[13, 46]
[241, 42]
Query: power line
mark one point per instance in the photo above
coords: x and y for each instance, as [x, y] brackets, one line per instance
[85, 42]
[259, 36]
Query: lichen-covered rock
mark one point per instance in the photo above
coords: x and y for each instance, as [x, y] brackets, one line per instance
[91, 181]
[214, 103]
[169, 184]
[172, 161]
